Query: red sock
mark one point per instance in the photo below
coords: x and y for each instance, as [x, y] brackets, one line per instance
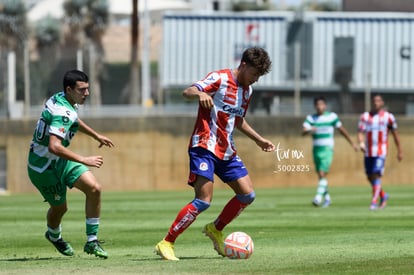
[184, 219]
[232, 209]
[382, 194]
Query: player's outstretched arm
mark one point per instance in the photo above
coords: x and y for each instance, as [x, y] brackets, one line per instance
[346, 135]
[56, 147]
[103, 140]
[398, 144]
[263, 143]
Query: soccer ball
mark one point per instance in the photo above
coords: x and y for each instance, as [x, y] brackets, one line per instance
[238, 245]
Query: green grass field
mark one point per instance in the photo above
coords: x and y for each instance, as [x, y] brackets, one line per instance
[290, 235]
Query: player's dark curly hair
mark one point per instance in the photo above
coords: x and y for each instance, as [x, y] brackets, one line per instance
[70, 78]
[318, 98]
[257, 58]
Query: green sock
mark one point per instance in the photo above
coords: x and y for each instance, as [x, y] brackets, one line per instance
[55, 233]
[92, 227]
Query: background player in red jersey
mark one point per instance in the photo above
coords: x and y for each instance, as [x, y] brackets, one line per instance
[373, 131]
[223, 96]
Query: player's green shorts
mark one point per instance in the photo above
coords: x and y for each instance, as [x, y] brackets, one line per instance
[322, 157]
[53, 182]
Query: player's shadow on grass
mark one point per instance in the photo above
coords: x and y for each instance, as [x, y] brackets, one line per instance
[201, 258]
[181, 259]
[26, 259]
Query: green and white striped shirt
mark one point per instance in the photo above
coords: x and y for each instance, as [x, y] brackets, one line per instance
[58, 118]
[325, 125]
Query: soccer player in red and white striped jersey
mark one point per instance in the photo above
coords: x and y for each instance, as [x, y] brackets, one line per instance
[223, 97]
[373, 130]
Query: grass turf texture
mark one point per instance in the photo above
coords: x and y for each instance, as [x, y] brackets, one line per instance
[290, 235]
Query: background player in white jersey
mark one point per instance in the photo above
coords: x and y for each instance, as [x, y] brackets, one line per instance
[373, 131]
[223, 98]
[322, 125]
[52, 167]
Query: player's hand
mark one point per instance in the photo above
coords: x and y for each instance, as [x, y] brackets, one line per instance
[400, 156]
[356, 147]
[310, 130]
[93, 161]
[362, 146]
[103, 140]
[266, 145]
[206, 101]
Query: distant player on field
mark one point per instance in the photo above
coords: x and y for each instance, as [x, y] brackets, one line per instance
[52, 167]
[321, 126]
[373, 129]
[223, 97]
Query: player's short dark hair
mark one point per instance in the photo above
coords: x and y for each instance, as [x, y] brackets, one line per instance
[316, 99]
[70, 78]
[257, 58]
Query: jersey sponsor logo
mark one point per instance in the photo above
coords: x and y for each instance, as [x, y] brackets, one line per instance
[65, 120]
[62, 130]
[370, 128]
[231, 110]
[203, 166]
[211, 78]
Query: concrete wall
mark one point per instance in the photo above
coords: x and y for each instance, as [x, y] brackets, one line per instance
[151, 153]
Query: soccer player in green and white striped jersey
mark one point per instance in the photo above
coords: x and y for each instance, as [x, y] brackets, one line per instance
[53, 168]
[322, 125]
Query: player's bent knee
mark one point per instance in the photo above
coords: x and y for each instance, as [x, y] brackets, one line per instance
[62, 208]
[200, 205]
[246, 198]
[97, 188]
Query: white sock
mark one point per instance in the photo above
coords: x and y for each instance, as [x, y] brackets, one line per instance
[322, 187]
[56, 233]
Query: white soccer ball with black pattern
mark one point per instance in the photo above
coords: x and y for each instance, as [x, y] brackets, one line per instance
[238, 245]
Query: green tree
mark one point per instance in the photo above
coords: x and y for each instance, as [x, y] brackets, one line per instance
[321, 6]
[13, 25]
[47, 35]
[87, 21]
[252, 6]
[13, 35]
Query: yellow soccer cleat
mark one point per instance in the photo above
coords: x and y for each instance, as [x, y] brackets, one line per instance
[216, 236]
[166, 250]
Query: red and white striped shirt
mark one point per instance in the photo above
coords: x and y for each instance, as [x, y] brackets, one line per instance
[214, 127]
[376, 127]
